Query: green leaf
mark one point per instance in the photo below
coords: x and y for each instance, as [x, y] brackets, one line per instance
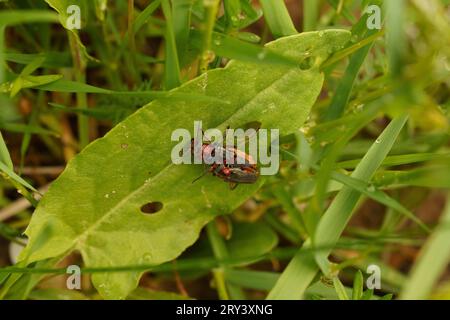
[94, 206]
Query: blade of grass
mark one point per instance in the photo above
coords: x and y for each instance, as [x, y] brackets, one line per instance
[181, 15]
[172, 77]
[338, 214]
[62, 85]
[358, 286]
[302, 269]
[13, 176]
[130, 31]
[395, 37]
[15, 17]
[142, 18]
[17, 84]
[26, 128]
[130, 58]
[330, 155]
[367, 295]
[225, 290]
[285, 199]
[258, 280]
[351, 49]
[2, 55]
[282, 228]
[344, 11]
[377, 195]
[232, 10]
[138, 23]
[400, 159]
[340, 289]
[297, 276]
[79, 71]
[23, 82]
[195, 264]
[433, 176]
[263, 280]
[345, 86]
[277, 17]
[431, 262]
[233, 48]
[211, 9]
[4, 154]
[310, 14]
[27, 136]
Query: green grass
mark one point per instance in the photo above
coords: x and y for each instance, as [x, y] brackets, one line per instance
[365, 131]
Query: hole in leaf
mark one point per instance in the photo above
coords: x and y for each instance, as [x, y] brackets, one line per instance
[306, 63]
[252, 125]
[152, 207]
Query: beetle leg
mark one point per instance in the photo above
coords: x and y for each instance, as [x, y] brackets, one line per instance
[218, 169]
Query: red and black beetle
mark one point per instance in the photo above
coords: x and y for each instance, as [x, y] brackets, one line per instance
[242, 168]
